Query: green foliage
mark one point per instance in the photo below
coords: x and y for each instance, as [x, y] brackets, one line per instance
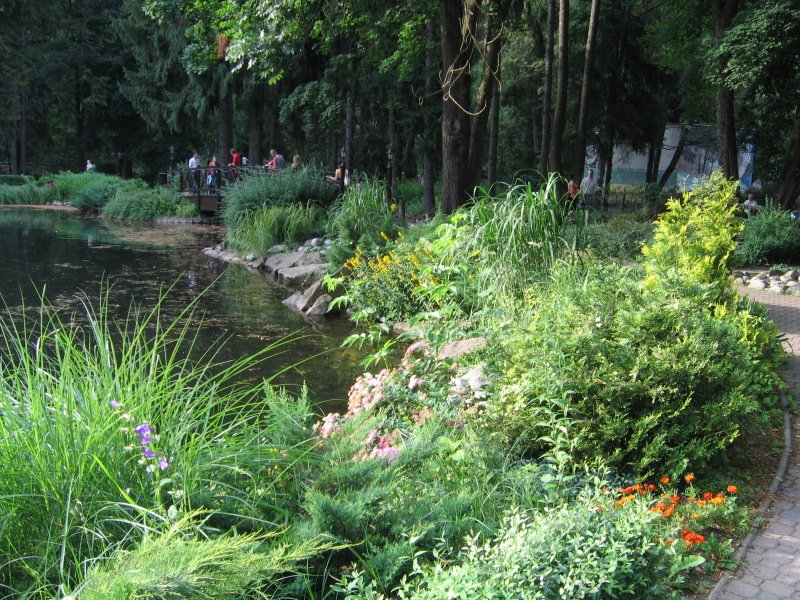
[76, 475]
[258, 231]
[26, 193]
[15, 179]
[645, 379]
[182, 562]
[769, 236]
[357, 220]
[515, 237]
[621, 236]
[88, 192]
[285, 187]
[145, 204]
[584, 549]
[695, 237]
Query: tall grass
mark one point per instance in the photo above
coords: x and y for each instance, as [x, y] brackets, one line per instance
[76, 474]
[256, 191]
[361, 214]
[145, 204]
[27, 193]
[519, 235]
[259, 230]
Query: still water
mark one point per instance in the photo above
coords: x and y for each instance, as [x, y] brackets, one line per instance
[73, 258]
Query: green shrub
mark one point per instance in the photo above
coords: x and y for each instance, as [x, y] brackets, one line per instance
[183, 562]
[695, 237]
[145, 204]
[648, 380]
[26, 193]
[258, 231]
[621, 236]
[306, 185]
[88, 192]
[15, 179]
[770, 236]
[585, 549]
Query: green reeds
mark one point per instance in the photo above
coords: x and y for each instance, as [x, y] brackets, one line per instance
[114, 423]
[518, 236]
[259, 230]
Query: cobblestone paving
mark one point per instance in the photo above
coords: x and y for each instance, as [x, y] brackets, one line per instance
[771, 567]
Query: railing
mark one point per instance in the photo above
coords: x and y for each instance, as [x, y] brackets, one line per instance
[208, 180]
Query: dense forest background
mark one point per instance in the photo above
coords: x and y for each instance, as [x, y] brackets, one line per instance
[459, 92]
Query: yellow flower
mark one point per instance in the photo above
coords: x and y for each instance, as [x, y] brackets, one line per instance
[689, 477]
[393, 207]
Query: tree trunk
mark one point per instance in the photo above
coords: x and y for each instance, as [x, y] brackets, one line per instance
[492, 45]
[350, 121]
[256, 131]
[547, 95]
[788, 190]
[560, 117]
[494, 133]
[583, 114]
[457, 83]
[673, 163]
[724, 12]
[225, 126]
[427, 138]
[79, 120]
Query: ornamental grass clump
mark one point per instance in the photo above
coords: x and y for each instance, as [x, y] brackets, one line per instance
[107, 425]
[258, 231]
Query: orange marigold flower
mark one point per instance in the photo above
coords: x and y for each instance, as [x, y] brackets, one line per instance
[732, 489]
[668, 511]
[717, 500]
[626, 491]
[652, 487]
[689, 477]
[720, 494]
[675, 499]
[701, 503]
[695, 516]
[707, 496]
[664, 480]
[690, 538]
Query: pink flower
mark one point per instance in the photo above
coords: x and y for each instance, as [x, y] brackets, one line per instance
[327, 426]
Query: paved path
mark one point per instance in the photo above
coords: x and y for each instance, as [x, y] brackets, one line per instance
[771, 567]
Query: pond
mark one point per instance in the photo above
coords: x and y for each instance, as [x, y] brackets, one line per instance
[72, 258]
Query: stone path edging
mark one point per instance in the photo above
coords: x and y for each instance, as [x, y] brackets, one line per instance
[719, 589]
[769, 558]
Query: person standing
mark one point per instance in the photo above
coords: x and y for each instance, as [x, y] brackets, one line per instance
[211, 176]
[90, 167]
[236, 161]
[588, 188]
[276, 161]
[297, 162]
[194, 172]
[573, 188]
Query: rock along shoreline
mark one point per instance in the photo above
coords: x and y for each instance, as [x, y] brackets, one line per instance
[300, 269]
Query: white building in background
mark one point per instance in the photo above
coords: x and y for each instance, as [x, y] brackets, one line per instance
[698, 159]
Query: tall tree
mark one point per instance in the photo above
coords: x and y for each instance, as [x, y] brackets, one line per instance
[724, 12]
[547, 95]
[583, 112]
[560, 117]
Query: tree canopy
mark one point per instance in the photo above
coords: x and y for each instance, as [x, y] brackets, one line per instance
[443, 90]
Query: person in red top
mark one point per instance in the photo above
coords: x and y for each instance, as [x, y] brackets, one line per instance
[236, 161]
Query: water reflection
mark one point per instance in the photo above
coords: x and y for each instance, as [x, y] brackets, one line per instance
[69, 256]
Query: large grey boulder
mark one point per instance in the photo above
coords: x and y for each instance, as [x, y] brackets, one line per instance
[320, 306]
[302, 275]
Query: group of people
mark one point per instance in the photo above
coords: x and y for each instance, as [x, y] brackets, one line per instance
[212, 171]
[587, 188]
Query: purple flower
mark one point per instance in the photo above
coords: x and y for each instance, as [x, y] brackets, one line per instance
[143, 429]
[163, 463]
[115, 404]
[148, 453]
[145, 439]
